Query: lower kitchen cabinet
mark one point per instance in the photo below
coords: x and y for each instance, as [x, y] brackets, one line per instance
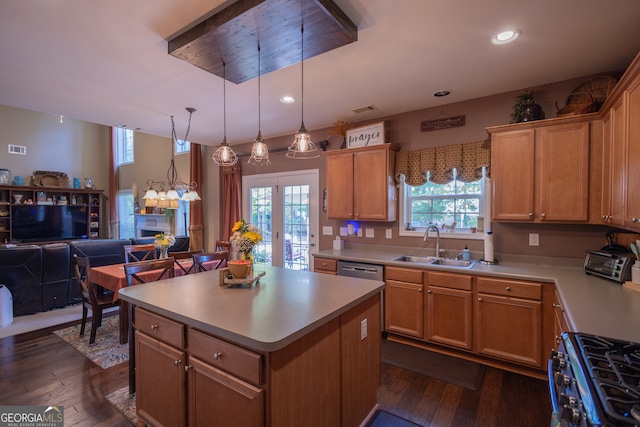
[404, 301]
[325, 265]
[509, 320]
[449, 311]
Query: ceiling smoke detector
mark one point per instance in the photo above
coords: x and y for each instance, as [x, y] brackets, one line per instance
[364, 109]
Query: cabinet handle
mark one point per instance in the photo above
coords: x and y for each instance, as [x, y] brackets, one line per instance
[177, 362]
[508, 288]
[530, 214]
[554, 305]
[419, 289]
[217, 356]
[479, 299]
[324, 264]
[154, 327]
[357, 215]
[187, 367]
[429, 291]
[350, 215]
[543, 215]
[633, 219]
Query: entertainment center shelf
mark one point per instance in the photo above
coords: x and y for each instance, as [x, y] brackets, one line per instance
[31, 214]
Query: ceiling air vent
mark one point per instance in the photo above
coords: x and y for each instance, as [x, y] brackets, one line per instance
[17, 149]
[364, 109]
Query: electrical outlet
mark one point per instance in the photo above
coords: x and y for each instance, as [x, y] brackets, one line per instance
[327, 230]
[359, 232]
[343, 231]
[363, 329]
[369, 232]
[534, 239]
[389, 234]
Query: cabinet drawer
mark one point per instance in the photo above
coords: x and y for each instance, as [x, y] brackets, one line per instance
[228, 357]
[160, 328]
[325, 265]
[410, 275]
[453, 281]
[510, 288]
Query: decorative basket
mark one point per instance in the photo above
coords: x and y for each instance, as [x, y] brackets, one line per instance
[588, 97]
[50, 179]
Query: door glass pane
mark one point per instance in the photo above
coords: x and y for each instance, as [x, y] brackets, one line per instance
[261, 213]
[296, 227]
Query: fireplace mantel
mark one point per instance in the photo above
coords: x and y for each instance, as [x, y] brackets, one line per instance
[151, 224]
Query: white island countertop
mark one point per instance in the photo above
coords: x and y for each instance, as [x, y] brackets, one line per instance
[592, 304]
[284, 306]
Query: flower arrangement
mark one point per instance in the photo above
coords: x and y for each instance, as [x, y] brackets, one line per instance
[164, 242]
[244, 237]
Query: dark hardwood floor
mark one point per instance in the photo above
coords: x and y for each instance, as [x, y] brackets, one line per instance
[38, 368]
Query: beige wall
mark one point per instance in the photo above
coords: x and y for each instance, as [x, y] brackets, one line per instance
[81, 149]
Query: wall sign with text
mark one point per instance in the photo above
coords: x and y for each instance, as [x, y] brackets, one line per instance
[364, 136]
[443, 123]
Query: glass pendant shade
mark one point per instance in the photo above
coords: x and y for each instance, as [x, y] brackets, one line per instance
[172, 194]
[259, 150]
[224, 155]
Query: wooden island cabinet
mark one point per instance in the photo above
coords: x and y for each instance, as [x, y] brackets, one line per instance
[298, 348]
[360, 183]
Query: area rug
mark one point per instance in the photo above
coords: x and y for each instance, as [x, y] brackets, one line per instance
[106, 351]
[125, 403]
[461, 372]
[386, 419]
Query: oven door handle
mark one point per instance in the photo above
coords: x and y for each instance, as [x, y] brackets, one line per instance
[553, 392]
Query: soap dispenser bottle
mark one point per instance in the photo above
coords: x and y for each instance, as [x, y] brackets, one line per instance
[466, 255]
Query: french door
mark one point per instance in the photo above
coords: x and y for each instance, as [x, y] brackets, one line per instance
[284, 206]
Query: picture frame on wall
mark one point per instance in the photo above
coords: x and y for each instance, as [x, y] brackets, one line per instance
[364, 136]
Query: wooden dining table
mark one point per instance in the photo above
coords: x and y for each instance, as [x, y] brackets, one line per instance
[113, 278]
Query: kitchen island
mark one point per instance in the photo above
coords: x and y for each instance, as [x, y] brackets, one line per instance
[297, 348]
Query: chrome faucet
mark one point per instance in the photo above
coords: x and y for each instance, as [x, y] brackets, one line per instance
[426, 237]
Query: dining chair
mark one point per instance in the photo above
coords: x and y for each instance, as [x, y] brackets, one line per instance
[181, 256]
[163, 268]
[222, 245]
[217, 260]
[136, 253]
[91, 300]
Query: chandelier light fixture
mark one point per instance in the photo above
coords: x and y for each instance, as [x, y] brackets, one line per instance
[302, 147]
[165, 194]
[224, 155]
[259, 150]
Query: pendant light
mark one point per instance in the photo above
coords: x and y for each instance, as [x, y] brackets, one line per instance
[302, 147]
[224, 155]
[259, 150]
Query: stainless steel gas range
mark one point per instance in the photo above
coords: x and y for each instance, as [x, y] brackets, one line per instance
[595, 381]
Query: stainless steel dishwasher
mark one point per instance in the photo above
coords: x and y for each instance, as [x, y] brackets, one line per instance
[365, 271]
[360, 270]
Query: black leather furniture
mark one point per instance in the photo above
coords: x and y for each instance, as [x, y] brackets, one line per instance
[42, 277]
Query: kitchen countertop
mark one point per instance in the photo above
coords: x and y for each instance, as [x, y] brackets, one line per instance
[592, 304]
[284, 306]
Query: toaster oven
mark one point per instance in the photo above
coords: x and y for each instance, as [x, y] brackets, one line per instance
[616, 267]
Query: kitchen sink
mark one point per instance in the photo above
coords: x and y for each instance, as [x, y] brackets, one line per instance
[420, 259]
[432, 260]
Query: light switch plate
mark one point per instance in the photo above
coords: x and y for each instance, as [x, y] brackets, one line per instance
[343, 231]
[327, 230]
[389, 234]
[363, 329]
[369, 232]
[534, 239]
[359, 232]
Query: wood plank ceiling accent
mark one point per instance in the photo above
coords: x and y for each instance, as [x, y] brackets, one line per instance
[233, 34]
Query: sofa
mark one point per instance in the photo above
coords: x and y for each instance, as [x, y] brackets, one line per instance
[42, 277]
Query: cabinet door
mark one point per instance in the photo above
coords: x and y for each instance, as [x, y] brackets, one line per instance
[510, 329]
[512, 175]
[449, 317]
[340, 186]
[618, 162]
[605, 204]
[218, 399]
[371, 198]
[160, 382]
[564, 172]
[404, 308]
[632, 193]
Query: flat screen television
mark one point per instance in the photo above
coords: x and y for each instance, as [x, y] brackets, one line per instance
[36, 223]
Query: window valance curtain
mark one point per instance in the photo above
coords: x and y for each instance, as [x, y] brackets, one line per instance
[468, 159]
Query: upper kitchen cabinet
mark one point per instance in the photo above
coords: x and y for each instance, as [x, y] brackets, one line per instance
[540, 170]
[360, 184]
[621, 163]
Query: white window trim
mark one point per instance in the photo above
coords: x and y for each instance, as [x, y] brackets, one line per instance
[485, 210]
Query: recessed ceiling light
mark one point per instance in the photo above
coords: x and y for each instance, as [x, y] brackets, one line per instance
[287, 99]
[506, 37]
[441, 93]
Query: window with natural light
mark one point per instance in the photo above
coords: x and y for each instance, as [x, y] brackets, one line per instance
[442, 204]
[125, 214]
[182, 146]
[124, 145]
